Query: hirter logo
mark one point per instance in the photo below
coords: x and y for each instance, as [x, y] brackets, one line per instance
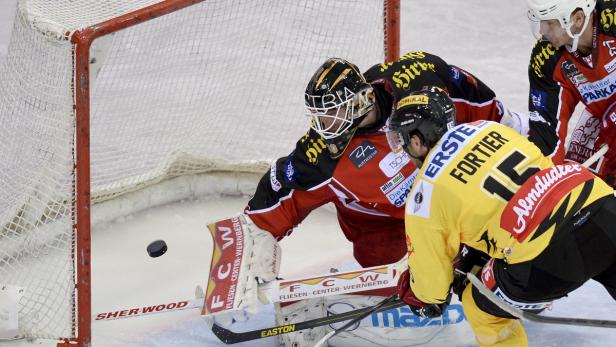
[538, 196]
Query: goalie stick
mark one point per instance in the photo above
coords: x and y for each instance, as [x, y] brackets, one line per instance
[230, 337]
[533, 317]
[347, 282]
[227, 288]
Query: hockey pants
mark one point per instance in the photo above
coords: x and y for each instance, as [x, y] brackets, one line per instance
[584, 249]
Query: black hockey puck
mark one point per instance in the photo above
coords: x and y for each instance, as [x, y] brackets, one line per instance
[157, 248]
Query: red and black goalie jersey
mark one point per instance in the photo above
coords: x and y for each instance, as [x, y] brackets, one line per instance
[368, 184]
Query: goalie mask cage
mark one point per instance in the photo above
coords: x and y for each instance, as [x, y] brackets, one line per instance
[101, 99]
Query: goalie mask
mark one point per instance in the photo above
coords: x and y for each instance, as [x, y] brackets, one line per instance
[337, 99]
[428, 113]
[561, 10]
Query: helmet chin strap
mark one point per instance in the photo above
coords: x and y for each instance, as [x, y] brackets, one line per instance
[576, 37]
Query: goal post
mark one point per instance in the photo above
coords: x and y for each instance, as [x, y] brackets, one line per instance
[102, 99]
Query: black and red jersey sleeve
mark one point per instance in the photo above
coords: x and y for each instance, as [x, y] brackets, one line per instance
[474, 100]
[550, 103]
[293, 187]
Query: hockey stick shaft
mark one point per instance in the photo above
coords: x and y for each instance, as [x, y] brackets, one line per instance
[596, 156]
[375, 308]
[149, 310]
[601, 323]
[230, 337]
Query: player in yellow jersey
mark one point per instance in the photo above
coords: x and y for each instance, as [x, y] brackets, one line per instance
[548, 229]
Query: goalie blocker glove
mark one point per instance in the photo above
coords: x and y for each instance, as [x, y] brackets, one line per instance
[258, 255]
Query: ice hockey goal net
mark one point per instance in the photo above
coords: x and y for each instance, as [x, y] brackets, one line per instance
[100, 98]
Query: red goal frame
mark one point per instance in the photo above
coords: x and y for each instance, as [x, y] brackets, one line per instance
[82, 41]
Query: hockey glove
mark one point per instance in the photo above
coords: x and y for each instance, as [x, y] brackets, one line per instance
[607, 135]
[418, 307]
[469, 259]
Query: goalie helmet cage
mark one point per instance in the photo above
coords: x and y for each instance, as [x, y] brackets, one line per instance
[102, 98]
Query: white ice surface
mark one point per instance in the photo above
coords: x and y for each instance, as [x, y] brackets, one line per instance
[140, 280]
[489, 38]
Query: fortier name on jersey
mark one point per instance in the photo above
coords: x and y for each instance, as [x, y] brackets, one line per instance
[472, 160]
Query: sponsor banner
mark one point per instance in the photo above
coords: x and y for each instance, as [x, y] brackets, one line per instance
[403, 317]
[611, 66]
[363, 153]
[392, 183]
[449, 145]
[365, 279]
[598, 90]
[228, 236]
[522, 305]
[538, 196]
[412, 100]
[393, 163]
[398, 195]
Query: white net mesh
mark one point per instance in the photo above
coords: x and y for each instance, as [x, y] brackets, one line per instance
[216, 86]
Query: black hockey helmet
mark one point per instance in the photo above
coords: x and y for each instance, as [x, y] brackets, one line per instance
[428, 113]
[337, 98]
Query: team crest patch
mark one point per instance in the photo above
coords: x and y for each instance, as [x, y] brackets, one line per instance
[572, 73]
[539, 99]
[421, 196]
[363, 153]
[455, 75]
[290, 173]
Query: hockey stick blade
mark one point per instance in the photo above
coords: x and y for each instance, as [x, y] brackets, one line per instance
[230, 337]
[533, 317]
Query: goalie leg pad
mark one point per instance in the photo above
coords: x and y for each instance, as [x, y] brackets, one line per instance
[364, 333]
[296, 312]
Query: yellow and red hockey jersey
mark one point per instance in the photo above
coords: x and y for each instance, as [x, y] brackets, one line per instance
[488, 187]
